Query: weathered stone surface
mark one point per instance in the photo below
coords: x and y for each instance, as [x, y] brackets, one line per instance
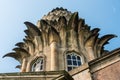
[111, 72]
[106, 67]
[53, 75]
[55, 14]
[81, 73]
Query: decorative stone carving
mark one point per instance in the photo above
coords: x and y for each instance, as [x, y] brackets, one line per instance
[55, 33]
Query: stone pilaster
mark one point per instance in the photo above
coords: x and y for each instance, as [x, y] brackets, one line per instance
[54, 56]
[24, 64]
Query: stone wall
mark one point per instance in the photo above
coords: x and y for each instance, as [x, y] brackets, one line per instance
[107, 67]
[81, 73]
[111, 72]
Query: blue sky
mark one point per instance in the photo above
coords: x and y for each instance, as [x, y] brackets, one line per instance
[104, 14]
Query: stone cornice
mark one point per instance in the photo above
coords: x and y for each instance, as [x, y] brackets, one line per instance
[54, 75]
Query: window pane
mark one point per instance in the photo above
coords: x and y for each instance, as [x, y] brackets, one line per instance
[69, 68]
[41, 67]
[37, 67]
[38, 60]
[69, 62]
[73, 57]
[78, 58]
[79, 63]
[33, 68]
[75, 63]
[68, 57]
[34, 64]
[41, 61]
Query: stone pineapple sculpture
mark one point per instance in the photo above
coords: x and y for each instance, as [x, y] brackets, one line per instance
[55, 33]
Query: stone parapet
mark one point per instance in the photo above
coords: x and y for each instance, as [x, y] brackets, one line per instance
[44, 75]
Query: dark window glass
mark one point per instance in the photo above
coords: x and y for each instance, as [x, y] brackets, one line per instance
[75, 63]
[41, 61]
[78, 58]
[73, 57]
[41, 67]
[69, 68]
[68, 57]
[69, 62]
[79, 63]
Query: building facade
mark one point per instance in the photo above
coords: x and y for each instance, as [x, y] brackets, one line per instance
[64, 46]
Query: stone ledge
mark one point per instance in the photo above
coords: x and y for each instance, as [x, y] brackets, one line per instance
[50, 75]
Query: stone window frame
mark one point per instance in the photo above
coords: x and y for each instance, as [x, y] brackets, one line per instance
[41, 59]
[35, 58]
[70, 52]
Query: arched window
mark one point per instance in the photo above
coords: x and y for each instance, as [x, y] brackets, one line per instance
[73, 61]
[38, 65]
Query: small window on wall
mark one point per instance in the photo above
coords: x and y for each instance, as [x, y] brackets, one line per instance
[38, 65]
[73, 60]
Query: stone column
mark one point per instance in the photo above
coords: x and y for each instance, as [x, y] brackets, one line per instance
[91, 53]
[24, 64]
[28, 67]
[54, 56]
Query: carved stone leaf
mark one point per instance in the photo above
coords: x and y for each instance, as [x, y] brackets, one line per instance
[81, 23]
[90, 42]
[95, 30]
[29, 34]
[14, 55]
[32, 28]
[20, 44]
[22, 52]
[53, 35]
[62, 23]
[18, 66]
[73, 22]
[102, 41]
